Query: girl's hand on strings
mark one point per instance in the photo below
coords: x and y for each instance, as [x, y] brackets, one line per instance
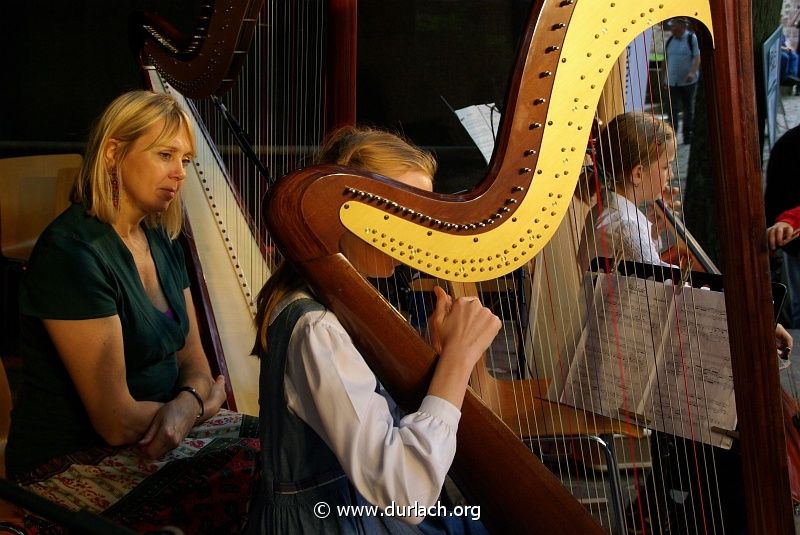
[461, 327]
[443, 305]
[461, 331]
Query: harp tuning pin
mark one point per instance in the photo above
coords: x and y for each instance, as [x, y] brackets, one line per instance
[511, 201]
[530, 152]
[534, 126]
[566, 3]
[525, 170]
[505, 209]
[393, 204]
[545, 74]
[517, 188]
[559, 25]
[349, 190]
[539, 101]
[552, 48]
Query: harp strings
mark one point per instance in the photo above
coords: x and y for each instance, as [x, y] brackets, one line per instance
[540, 308]
[276, 107]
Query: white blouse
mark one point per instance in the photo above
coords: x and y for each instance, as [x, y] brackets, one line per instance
[330, 387]
[621, 231]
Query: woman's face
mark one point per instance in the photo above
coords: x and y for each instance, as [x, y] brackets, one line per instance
[151, 175]
[367, 260]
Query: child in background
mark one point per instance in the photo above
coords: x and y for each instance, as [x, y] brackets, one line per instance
[636, 154]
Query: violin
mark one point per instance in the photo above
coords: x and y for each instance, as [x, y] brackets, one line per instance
[685, 252]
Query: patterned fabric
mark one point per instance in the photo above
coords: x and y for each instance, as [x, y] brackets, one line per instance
[202, 486]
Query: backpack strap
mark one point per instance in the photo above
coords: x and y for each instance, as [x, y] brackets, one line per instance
[689, 42]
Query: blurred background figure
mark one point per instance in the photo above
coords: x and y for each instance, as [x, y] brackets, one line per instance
[683, 72]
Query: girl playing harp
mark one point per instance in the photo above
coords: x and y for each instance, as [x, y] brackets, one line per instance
[331, 435]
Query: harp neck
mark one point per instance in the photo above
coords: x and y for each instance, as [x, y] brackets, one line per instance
[208, 62]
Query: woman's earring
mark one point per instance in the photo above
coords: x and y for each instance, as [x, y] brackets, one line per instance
[114, 189]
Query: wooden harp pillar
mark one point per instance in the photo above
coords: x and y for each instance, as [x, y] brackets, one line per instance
[740, 205]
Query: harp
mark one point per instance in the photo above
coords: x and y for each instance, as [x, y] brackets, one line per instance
[264, 80]
[568, 52]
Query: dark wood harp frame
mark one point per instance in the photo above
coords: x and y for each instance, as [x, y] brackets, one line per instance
[535, 502]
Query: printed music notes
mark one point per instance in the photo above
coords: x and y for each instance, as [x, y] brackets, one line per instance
[481, 121]
[658, 353]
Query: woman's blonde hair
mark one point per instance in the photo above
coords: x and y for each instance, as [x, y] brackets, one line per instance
[125, 120]
[631, 139]
[360, 147]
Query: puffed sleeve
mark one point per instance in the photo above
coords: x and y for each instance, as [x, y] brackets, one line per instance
[66, 279]
[330, 387]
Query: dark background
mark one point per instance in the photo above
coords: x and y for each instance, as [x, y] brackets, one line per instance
[64, 61]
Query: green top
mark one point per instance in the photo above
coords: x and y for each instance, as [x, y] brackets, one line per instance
[81, 269]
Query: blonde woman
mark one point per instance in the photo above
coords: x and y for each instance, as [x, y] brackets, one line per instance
[110, 343]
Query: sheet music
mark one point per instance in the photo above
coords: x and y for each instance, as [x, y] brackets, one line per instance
[655, 354]
[481, 122]
[695, 377]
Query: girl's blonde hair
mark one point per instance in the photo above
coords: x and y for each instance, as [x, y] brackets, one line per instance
[360, 147]
[125, 120]
[631, 139]
[376, 151]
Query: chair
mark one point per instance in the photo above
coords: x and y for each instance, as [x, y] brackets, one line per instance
[33, 191]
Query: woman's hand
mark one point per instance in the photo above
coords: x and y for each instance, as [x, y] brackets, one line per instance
[780, 234]
[461, 331]
[215, 399]
[175, 419]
